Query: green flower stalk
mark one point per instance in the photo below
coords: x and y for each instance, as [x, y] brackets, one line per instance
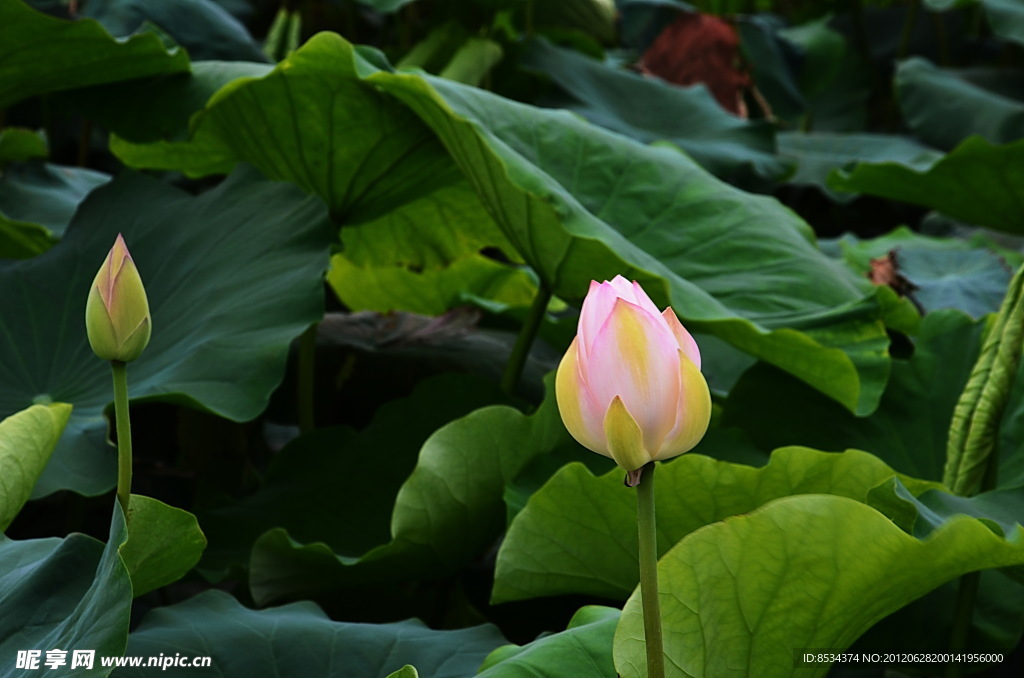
[118, 324]
[630, 388]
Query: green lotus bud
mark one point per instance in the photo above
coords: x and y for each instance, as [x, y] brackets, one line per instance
[117, 313]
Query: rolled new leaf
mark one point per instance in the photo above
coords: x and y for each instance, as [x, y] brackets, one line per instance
[974, 429]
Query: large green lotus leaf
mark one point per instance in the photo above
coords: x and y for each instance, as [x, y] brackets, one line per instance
[156, 108]
[977, 182]
[834, 77]
[998, 618]
[163, 544]
[808, 571]
[923, 514]
[583, 649]
[317, 487]
[27, 440]
[37, 201]
[359, 174]
[969, 275]
[605, 208]
[823, 49]
[648, 109]
[448, 511]
[908, 430]
[46, 194]
[300, 640]
[577, 534]
[378, 168]
[232, 277]
[68, 594]
[817, 154]
[202, 27]
[40, 54]
[432, 291]
[942, 109]
[368, 158]
[1006, 18]
[773, 62]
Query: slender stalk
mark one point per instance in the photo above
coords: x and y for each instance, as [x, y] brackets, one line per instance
[908, 30]
[307, 379]
[965, 597]
[521, 350]
[967, 592]
[945, 56]
[649, 573]
[84, 139]
[124, 434]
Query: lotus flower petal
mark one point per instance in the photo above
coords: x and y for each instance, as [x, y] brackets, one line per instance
[630, 385]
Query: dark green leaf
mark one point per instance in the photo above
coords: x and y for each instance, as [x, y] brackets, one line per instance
[1006, 18]
[41, 54]
[977, 182]
[232, 277]
[772, 62]
[299, 640]
[156, 108]
[908, 430]
[46, 194]
[202, 27]
[971, 276]
[554, 212]
[818, 154]
[337, 471]
[647, 109]
[69, 594]
[577, 534]
[604, 209]
[448, 511]
[163, 543]
[943, 109]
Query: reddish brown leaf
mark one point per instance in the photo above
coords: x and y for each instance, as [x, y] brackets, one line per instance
[700, 48]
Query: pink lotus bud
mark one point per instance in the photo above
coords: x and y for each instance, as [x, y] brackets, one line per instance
[630, 386]
[117, 312]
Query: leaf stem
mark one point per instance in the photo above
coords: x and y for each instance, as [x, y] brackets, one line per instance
[966, 594]
[908, 29]
[124, 434]
[521, 349]
[649, 572]
[307, 379]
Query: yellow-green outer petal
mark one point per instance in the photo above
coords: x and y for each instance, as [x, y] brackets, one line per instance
[98, 326]
[695, 401]
[119, 329]
[569, 396]
[625, 439]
